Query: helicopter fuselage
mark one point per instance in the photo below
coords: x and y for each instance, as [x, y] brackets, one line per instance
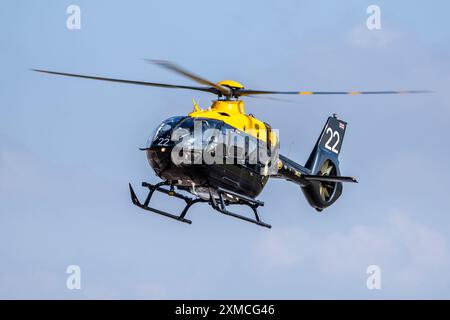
[228, 118]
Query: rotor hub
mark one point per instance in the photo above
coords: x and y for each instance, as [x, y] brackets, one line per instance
[234, 86]
[231, 84]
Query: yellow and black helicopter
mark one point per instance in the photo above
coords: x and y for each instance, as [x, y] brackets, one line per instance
[244, 170]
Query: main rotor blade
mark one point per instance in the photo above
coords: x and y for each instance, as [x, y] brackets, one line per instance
[173, 67]
[142, 83]
[246, 92]
[273, 99]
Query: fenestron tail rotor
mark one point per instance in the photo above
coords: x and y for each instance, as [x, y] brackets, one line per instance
[225, 89]
[326, 187]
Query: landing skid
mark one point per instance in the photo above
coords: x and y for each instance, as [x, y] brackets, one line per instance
[221, 204]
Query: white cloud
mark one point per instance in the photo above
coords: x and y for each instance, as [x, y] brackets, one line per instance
[413, 257]
[362, 37]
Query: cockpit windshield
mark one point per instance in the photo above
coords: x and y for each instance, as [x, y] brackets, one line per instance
[198, 126]
[164, 129]
[189, 123]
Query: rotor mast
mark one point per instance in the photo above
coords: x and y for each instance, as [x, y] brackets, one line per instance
[229, 103]
[228, 106]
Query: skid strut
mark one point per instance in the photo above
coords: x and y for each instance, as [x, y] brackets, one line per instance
[221, 204]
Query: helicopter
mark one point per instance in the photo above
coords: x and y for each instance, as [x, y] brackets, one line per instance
[245, 151]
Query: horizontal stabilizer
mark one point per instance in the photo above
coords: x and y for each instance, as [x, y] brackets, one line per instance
[329, 178]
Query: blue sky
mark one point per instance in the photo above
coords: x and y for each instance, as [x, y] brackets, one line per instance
[69, 147]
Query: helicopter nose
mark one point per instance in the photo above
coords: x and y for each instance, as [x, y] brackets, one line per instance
[159, 158]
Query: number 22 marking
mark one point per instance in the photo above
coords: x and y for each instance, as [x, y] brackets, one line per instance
[163, 142]
[332, 135]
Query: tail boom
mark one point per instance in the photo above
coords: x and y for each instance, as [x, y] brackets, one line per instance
[320, 178]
